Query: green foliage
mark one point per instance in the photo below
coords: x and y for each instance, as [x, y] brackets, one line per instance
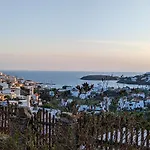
[65, 94]
[7, 97]
[69, 134]
[54, 104]
[20, 141]
[37, 90]
[114, 105]
[84, 88]
[147, 116]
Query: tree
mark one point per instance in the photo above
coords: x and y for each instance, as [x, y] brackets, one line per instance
[79, 88]
[65, 94]
[86, 87]
[114, 105]
[7, 97]
[44, 95]
[56, 91]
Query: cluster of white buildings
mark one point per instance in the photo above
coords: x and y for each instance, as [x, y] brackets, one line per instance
[10, 87]
[134, 100]
[145, 77]
[10, 90]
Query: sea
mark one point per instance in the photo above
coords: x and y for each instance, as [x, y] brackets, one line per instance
[68, 78]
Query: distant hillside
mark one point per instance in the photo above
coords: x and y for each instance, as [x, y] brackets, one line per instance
[138, 79]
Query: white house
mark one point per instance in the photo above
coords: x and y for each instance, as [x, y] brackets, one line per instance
[13, 102]
[7, 91]
[147, 101]
[30, 83]
[64, 102]
[31, 88]
[4, 85]
[25, 102]
[147, 73]
[134, 79]
[12, 92]
[141, 94]
[16, 90]
[12, 79]
[148, 79]
[121, 102]
[83, 108]
[51, 93]
[85, 95]
[105, 103]
[131, 105]
[140, 104]
[75, 93]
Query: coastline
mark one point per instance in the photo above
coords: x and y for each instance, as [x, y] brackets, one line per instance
[62, 78]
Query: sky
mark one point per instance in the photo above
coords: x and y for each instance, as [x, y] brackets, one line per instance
[75, 35]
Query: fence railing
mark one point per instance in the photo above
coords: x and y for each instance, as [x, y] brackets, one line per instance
[4, 120]
[90, 131]
[5, 113]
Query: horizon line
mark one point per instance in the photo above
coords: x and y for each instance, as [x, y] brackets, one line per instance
[1, 70]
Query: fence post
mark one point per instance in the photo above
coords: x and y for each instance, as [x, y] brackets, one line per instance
[142, 137]
[50, 134]
[46, 140]
[121, 134]
[53, 131]
[43, 126]
[137, 136]
[147, 138]
[116, 130]
[131, 135]
[40, 128]
[126, 135]
[2, 120]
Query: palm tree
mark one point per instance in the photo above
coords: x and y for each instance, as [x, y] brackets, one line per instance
[86, 87]
[80, 89]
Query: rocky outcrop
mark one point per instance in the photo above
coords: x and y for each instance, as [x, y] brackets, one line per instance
[99, 77]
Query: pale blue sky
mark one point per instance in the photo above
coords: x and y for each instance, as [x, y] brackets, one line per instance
[96, 35]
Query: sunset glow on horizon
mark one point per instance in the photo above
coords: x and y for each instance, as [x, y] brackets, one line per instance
[75, 36]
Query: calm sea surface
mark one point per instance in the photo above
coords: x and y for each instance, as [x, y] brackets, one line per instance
[61, 78]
